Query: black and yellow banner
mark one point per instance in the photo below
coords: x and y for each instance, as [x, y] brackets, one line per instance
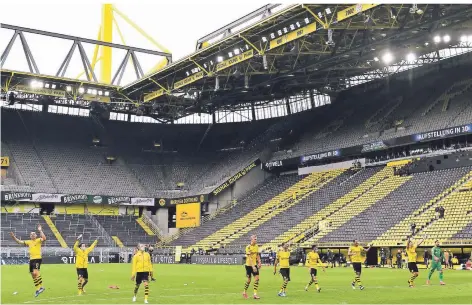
[95, 98]
[42, 91]
[236, 177]
[292, 36]
[188, 80]
[188, 215]
[353, 10]
[234, 60]
[5, 161]
[153, 95]
[166, 202]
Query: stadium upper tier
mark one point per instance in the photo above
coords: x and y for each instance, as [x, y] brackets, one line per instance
[55, 154]
[395, 109]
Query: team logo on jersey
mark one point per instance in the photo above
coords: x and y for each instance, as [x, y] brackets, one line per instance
[162, 202]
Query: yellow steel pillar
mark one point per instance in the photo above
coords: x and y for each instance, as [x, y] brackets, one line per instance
[107, 36]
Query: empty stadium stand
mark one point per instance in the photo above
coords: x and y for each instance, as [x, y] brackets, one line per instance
[385, 213]
[278, 204]
[269, 189]
[425, 213]
[126, 228]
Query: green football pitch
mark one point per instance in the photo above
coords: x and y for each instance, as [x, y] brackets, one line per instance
[207, 284]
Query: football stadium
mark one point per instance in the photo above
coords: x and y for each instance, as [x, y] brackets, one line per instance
[302, 154]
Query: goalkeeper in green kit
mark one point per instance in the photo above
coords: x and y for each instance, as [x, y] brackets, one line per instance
[437, 257]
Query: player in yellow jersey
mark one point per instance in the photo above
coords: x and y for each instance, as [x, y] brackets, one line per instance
[356, 254]
[283, 259]
[253, 264]
[142, 267]
[313, 258]
[34, 245]
[81, 262]
[412, 256]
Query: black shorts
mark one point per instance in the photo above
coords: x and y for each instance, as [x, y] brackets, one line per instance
[82, 272]
[142, 277]
[412, 267]
[313, 271]
[285, 272]
[35, 264]
[250, 272]
[357, 267]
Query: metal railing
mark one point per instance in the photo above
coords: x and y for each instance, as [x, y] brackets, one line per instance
[102, 231]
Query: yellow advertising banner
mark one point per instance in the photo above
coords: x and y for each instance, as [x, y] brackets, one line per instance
[5, 162]
[293, 35]
[353, 10]
[153, 95]
[235, 60]
[42, 91]
[95, 98]
[188, 80]
[188, 215]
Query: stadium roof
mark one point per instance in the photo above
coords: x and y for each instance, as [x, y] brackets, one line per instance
[301, 47]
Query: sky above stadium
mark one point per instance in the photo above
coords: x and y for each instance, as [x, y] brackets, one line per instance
[177, 25]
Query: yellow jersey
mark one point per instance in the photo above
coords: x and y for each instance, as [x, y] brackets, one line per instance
[312, 259]
[357, 254]
[81, 256]
[34, 248]
[251, 255]
[284, 258]
[411, 253]
[141, 262]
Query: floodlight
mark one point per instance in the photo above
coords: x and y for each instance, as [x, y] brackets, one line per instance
[410, 57]
[68, 88]
[81, 90]
[446, 38]
[376, 59]
[219, 58]
[387, 58]
[437, 39]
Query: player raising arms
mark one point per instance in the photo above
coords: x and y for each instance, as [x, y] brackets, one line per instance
[283, 258]
[437, 257]
[253, 264]
[142, 266]
[412, 255]
[356, 254]
[81, 262]
[35, 257]
[313, 258]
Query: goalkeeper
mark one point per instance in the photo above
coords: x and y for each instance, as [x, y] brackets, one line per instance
[436, 264]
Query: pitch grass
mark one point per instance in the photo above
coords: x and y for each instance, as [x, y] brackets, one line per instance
[193, 284]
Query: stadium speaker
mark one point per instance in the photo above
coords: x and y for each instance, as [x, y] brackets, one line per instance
[372, 257]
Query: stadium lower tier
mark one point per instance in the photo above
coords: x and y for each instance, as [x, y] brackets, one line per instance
[329, 208]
